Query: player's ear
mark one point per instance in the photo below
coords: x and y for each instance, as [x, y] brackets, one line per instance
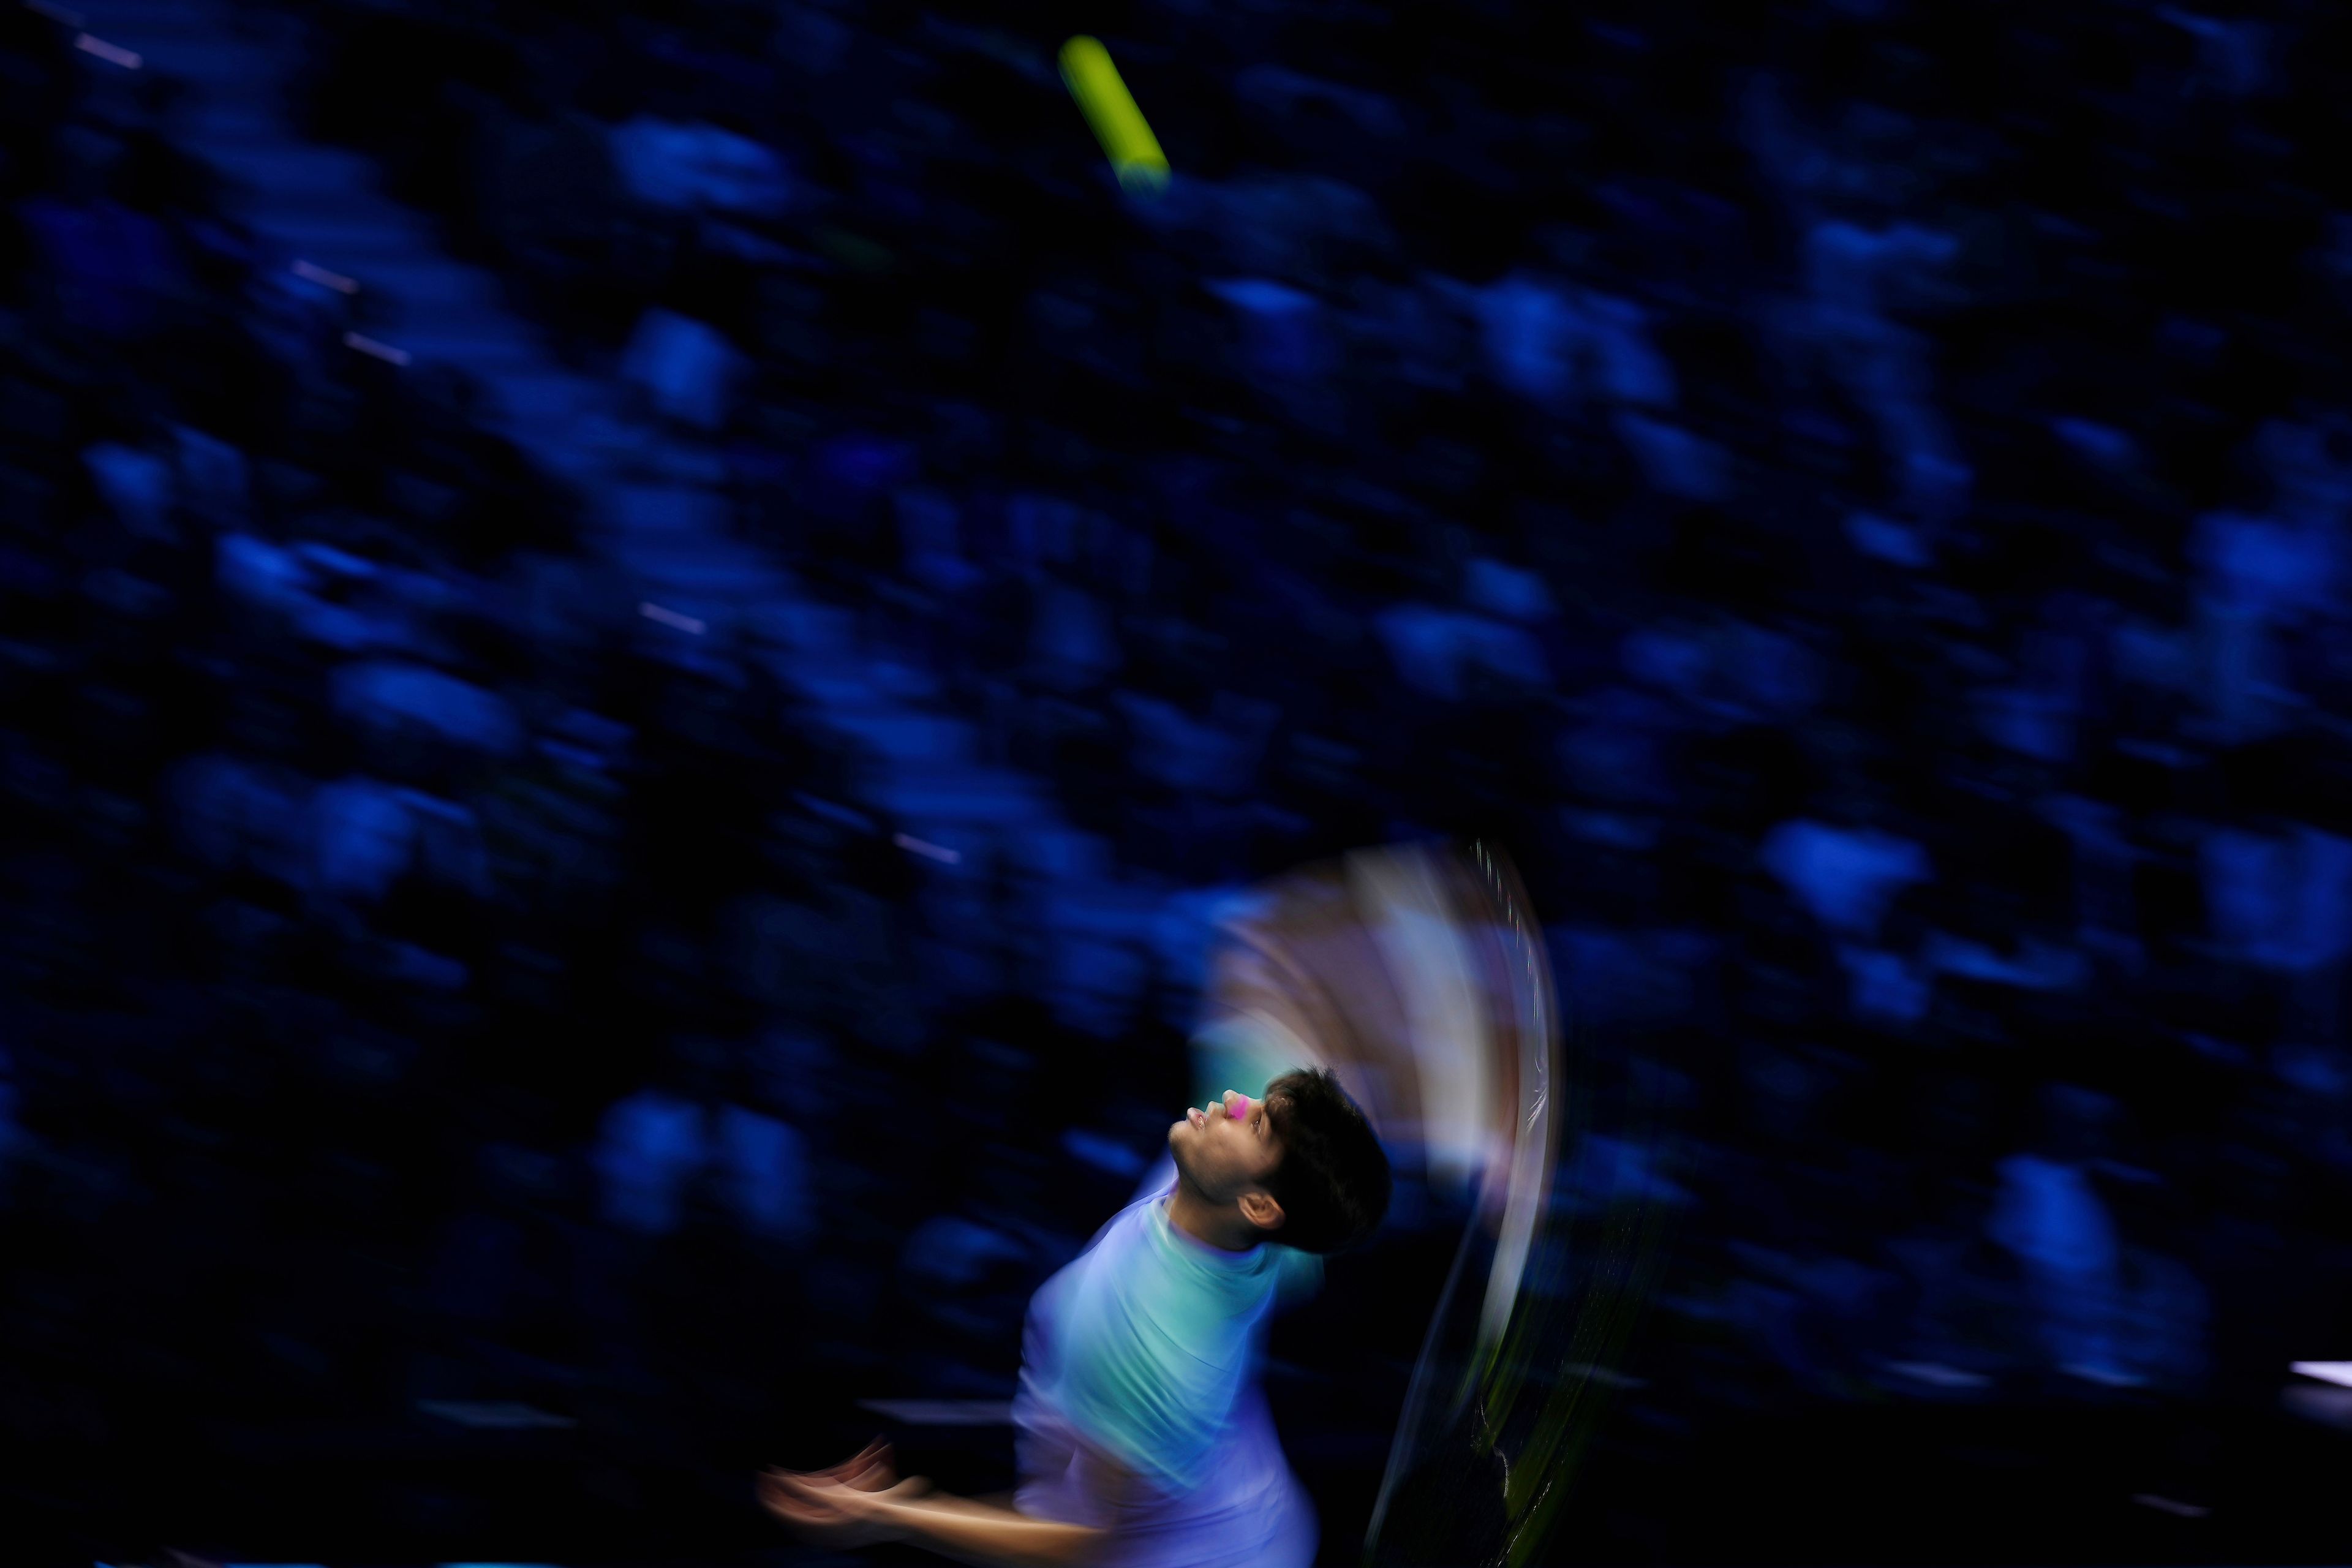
[1262, 1211]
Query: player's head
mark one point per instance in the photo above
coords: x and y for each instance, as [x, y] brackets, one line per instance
[1300, 1164]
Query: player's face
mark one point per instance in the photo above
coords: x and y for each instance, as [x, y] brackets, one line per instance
[1227, 1147]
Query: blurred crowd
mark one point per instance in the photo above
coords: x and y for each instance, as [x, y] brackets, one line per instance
[1852, 494]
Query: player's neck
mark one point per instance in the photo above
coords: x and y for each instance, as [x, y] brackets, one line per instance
[1220, 1226]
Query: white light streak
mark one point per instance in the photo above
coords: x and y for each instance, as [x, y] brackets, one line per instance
[672, 619]
[2166, 1505]
[929, 851]
[113, 54]
[311, 273]
[383, 352]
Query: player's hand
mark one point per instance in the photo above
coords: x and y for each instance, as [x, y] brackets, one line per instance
[850, 1504]
[872, 1468]
[833, 1514]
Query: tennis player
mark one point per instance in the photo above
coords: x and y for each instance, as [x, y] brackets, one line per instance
[1144, 1441]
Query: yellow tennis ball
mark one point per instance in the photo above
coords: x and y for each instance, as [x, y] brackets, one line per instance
[1127, 140]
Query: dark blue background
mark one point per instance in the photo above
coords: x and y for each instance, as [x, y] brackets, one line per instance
[638, 642]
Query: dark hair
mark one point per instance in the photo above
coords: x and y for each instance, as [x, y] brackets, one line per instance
[1333, 1182]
